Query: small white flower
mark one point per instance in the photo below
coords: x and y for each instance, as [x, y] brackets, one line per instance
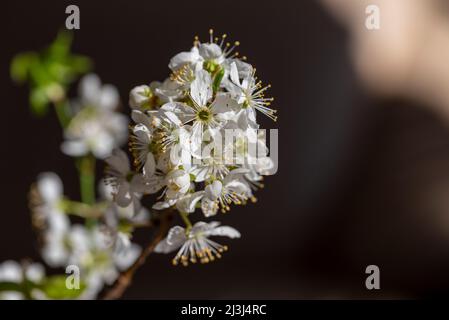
[250, 94]
[49, 217]
[141, 144]
[140, 97]
[222, 194]
[120, 221]
[128, 185]
[50, 193]
[155, 134]
[187, 57]
[178, 183]
[209, 55]
[195, 244]
[144, 98]
[96, 128]
[93, 93]
[203, 113]
[92, 251]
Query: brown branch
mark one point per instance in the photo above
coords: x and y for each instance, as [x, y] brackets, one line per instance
[125, 278]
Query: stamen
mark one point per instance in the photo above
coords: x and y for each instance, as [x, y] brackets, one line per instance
[211, 35]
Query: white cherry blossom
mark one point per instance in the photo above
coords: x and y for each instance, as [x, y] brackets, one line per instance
[194, 244]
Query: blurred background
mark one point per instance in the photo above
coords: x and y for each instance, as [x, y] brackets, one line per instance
[363, 140]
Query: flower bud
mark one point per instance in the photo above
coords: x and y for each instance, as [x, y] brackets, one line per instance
[139, 97]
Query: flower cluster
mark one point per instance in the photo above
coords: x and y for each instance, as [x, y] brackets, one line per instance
[100, 247]
[196, 142]
[196, 146]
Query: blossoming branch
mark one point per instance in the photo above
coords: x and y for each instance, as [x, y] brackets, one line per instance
[196, 148]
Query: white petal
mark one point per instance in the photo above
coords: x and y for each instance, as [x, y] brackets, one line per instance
[123, 196]
[137, 183]
[74, 148]
[89, 87]
[108, 98]
[150, 165]
[11, 271]
[234, 74]
[183, 58]
[201, 88]
[187, 203]
[119, 161]
[224, 231]
[58, 222]
[210, 51]
[102, 145]
[201, 173]
[138, 96]
[224, 107]
[175, 238]
[164, 204]
[213, 190]
[124, 260]
[140, 117]
[54, 253]
[173, 118]
[154, 184]
[49, 186]
[35, 272]
[122, 243]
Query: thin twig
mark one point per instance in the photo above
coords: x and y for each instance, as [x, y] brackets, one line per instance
[125, 278]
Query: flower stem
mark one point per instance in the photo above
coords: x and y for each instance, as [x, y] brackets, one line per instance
[186, 220]
[86, 168]
[62, 113]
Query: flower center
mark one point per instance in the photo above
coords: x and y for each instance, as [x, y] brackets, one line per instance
[211, 66]
[204, 114]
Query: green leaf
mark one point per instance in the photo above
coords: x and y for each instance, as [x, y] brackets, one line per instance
[217, 80]
[55, 288]
[21, 65]
[60, 47]
[49, 72]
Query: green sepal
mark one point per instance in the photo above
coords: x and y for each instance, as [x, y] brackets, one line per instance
[217, 80]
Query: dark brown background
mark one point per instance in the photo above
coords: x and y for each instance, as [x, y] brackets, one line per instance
[360, 181]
